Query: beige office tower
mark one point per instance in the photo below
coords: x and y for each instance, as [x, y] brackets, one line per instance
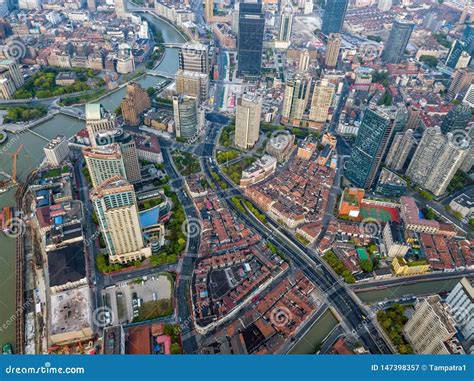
[91, 5]
[194, 56]
[104, 163]
[430, 327]
[296, 96]
[413, 118]
[193, 83]
[97, 121]
[116, 208]
[461, 80]
[208, 10]
[436, 160]
[332, 51]
[398, 153]
[121, 8]
[323, 94]
[303, 63]
[247, 120]
[11, 78]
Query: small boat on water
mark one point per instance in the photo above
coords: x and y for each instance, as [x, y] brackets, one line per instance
[6, 216]
[7, 349]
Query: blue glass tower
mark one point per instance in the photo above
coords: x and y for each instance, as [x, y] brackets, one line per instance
[334, 15]
[250, 40]
[397, 41]
[369, 147]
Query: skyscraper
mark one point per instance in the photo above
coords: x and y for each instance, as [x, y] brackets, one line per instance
[332, 50]
[436, 160]
[460, 81]
[321, 101]
[457, 118]
[128, 151]
[98, 120]
[457, 48]
[247, 120]
[430, 327]
[398, 153]
[135, 102]
[185, 116]
[296, 97]
[193, 83]
[208, 10]
[91, 5]
[384, 5]
[250, 38]
[303, 63]
[369, 147]
[333, 17]
[121, 8]
[104, 163]
[461, 301]
[397, 41]
[11, 78]
[115, 204]
[286, 23]
[194, 56]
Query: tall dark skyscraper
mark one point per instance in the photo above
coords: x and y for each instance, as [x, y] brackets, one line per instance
[457, 119]
[250, 41]
[369, 147]
[333, 17]
[397, 41]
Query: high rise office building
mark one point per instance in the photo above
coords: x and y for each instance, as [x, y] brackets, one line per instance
[333, 17]
[208, 10]
[91, 5]
[457, 118]
[397, 41]
[57, 150]
[384, 5]
[321, 101]
[296, 97]
[430, 327]
[135, 102]
[413, 118]
[98, 120]
[369, 147]
[194, 56]
[104, 163]
[332, 50]
[469, 97]
[185, 116]
[461, 80]
[455, 53]
[286, 23]
[247, 120]
[11, 78]
[303, 63]
[128, 151]
[250, 38]
[121, 8]
[193, 83]
[116, 207]
[468, 37]
[400, 148]
[436, 160]
[461, 301]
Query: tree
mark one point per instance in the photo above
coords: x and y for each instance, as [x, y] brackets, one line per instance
[366, 265]
[431, 61]
[175, 349]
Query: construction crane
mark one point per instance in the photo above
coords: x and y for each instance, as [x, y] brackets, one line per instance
[15, 158]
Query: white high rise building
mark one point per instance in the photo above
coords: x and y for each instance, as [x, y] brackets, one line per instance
[384, 5]
[116, 208]
[247, 121]
[469, 97]
[57, 150]
[398, 153]
[323, 94]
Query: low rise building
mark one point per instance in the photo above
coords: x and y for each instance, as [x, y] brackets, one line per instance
[464, 204]
[394, 240]
[258, 171]
[401, 267]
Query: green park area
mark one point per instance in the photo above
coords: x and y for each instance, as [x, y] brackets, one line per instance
[392, 320]
[234, 171]
[43, 84]
[17, 114]
[154, 309]
[225, 156]
[186, 162]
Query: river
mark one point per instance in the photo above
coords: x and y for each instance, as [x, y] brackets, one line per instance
[32, 154]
